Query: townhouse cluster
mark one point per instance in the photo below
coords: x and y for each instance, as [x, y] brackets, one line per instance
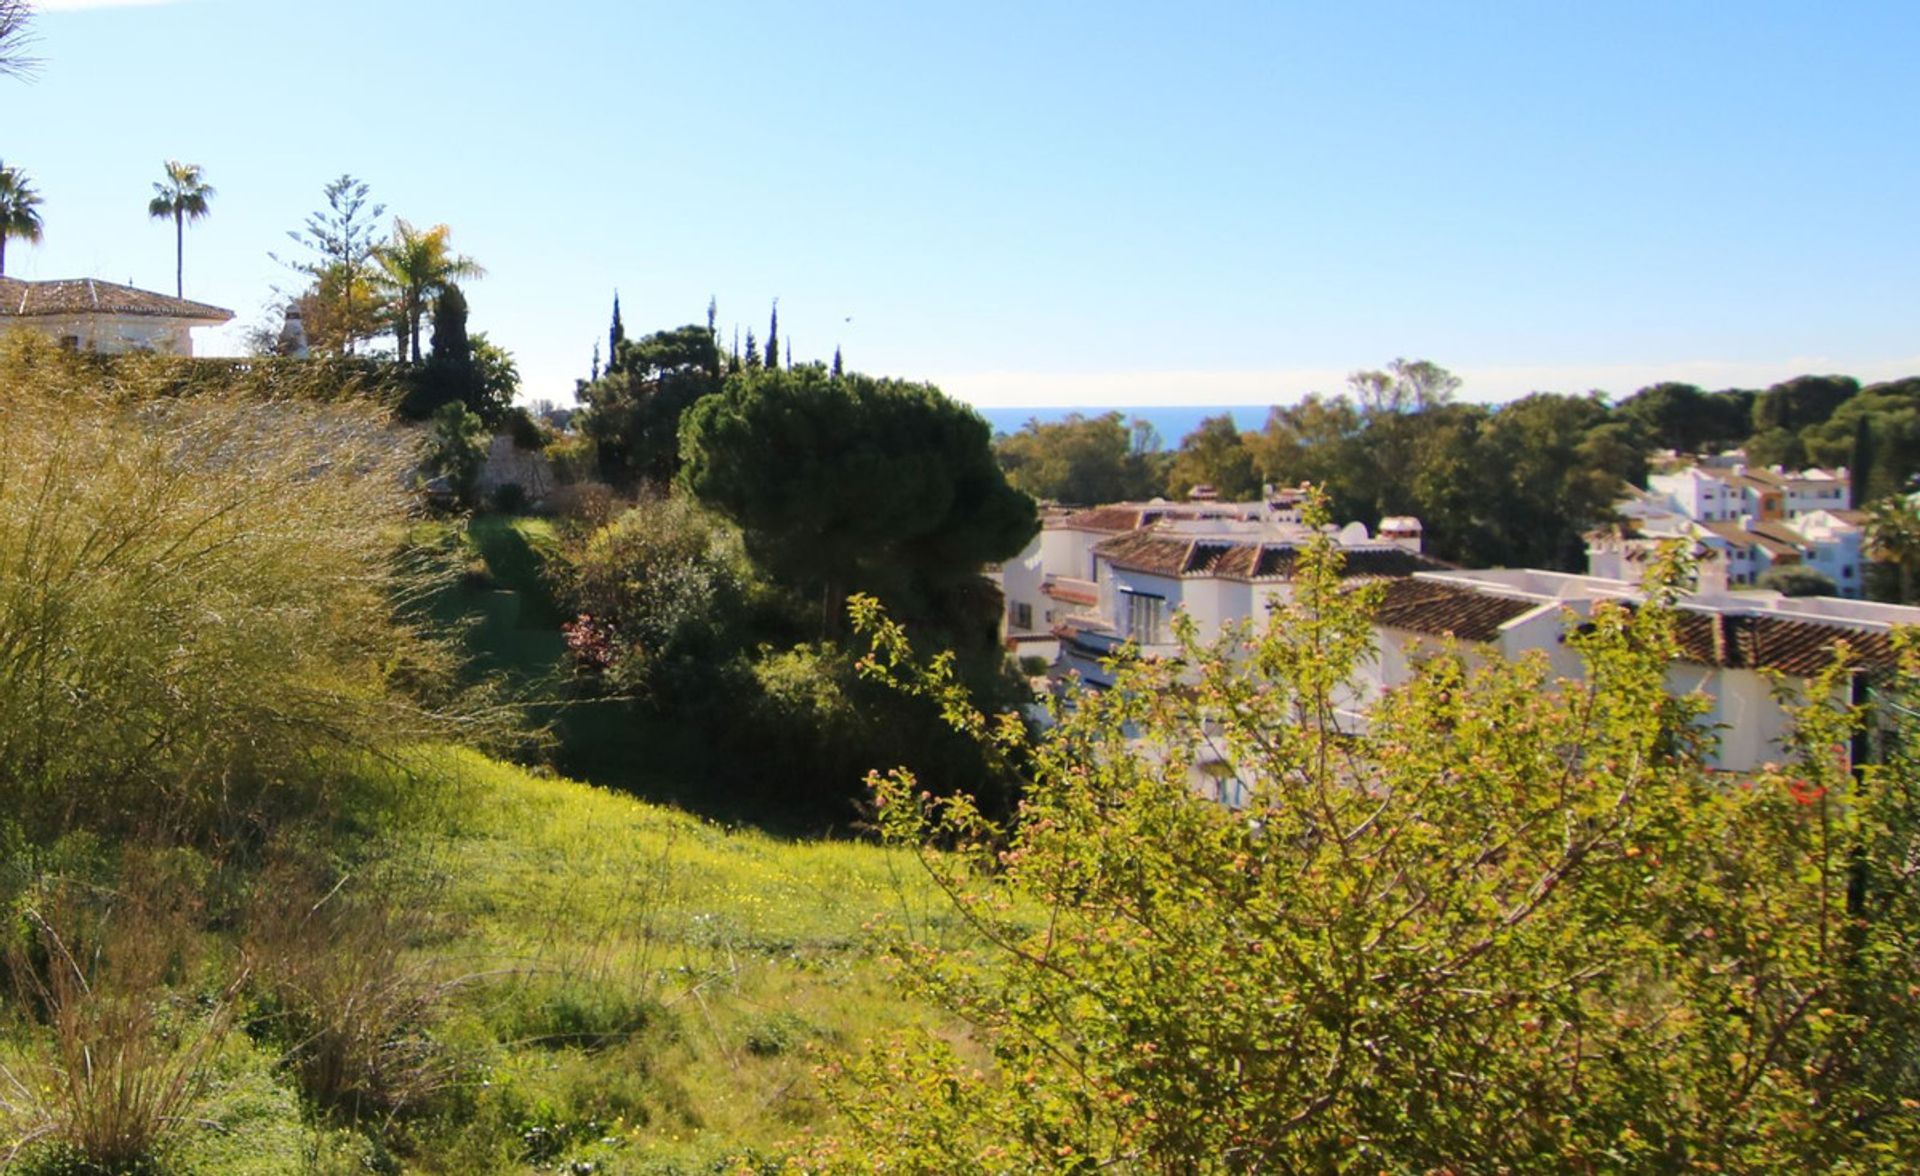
[1096, 580]
[1742, 521]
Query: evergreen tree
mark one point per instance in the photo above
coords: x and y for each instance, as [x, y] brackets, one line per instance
[1860, 469]
[616, 333]
[838, 371]
[713, 312]
[773, 338]
[450, 374]
[753, 350]
[596, 362]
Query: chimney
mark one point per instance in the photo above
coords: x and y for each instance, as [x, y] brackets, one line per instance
[1710, 571]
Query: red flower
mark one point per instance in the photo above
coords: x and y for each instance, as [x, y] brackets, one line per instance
[1805, 793]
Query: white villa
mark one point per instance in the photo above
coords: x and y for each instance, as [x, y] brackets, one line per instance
[90, 315]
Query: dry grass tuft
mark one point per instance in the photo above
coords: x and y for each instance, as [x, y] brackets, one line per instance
[120, 1057]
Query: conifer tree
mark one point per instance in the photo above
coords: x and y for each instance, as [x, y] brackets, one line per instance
[753, 350]
[616, 333]
[596, 361]
[713, 311]
[1861, 471]
[838, 371]
[773, 338]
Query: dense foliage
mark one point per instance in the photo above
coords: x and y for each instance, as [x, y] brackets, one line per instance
[634, 407]
[1516, 484]
[854, 483]
[1084, 460]
[1513, 926]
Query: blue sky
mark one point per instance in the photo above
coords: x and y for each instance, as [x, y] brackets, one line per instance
[1042, 203]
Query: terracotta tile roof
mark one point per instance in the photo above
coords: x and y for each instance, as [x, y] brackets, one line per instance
[1173, 555]
[1733, 533]
[1742, 641]
[1444, 610]
[1112, 518]
[22, 299]
[1778, 538]
[1789, 645]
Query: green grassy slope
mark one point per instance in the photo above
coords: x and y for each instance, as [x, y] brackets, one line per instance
[609, 982]
[650, 970]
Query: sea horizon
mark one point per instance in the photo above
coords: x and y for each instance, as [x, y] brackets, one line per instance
[1171, 421]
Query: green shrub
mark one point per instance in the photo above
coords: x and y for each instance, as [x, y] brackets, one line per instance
[1513, 925]
[668, 588]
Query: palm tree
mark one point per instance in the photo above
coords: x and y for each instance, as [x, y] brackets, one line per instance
[17, 215]
[416, 266]
[182, 197]
[15, 35]
[1893, 536]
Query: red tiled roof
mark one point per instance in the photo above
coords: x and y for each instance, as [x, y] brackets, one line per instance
[1742, 641]
[1112, 518]
[1788, 645]
[22, 299]
[1778, 538]
[1444, 610]
[1733, 533]
[1173, 555]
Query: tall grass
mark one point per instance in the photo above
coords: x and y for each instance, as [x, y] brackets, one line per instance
[197, 596]
[121, 1058]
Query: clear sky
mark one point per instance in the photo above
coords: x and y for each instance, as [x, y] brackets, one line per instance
[1041, 203]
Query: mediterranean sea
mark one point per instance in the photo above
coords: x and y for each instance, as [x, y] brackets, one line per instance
[1171, 421]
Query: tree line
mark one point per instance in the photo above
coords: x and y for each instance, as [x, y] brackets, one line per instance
[1511, 484]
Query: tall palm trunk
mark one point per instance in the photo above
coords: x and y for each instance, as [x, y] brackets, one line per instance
[179, 254]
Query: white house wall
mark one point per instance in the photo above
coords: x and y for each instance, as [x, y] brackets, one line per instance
[118, 334]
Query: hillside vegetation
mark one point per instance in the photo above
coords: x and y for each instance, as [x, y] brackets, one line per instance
[274, 901]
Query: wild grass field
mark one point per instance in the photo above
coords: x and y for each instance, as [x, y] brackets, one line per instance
[587, 982]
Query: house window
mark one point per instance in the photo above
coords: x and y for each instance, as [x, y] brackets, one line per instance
[1146, 616]
[1023, 616]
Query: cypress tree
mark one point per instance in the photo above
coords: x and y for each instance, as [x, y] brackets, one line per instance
[837, 371]
[1860, 469]
[595, 378]
[616, 334]
[753, 350]
[713, 310]
[773, 338]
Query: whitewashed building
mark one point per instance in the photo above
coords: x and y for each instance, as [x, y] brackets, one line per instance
[1731, 642]
[90, 315]
[1741, 521]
